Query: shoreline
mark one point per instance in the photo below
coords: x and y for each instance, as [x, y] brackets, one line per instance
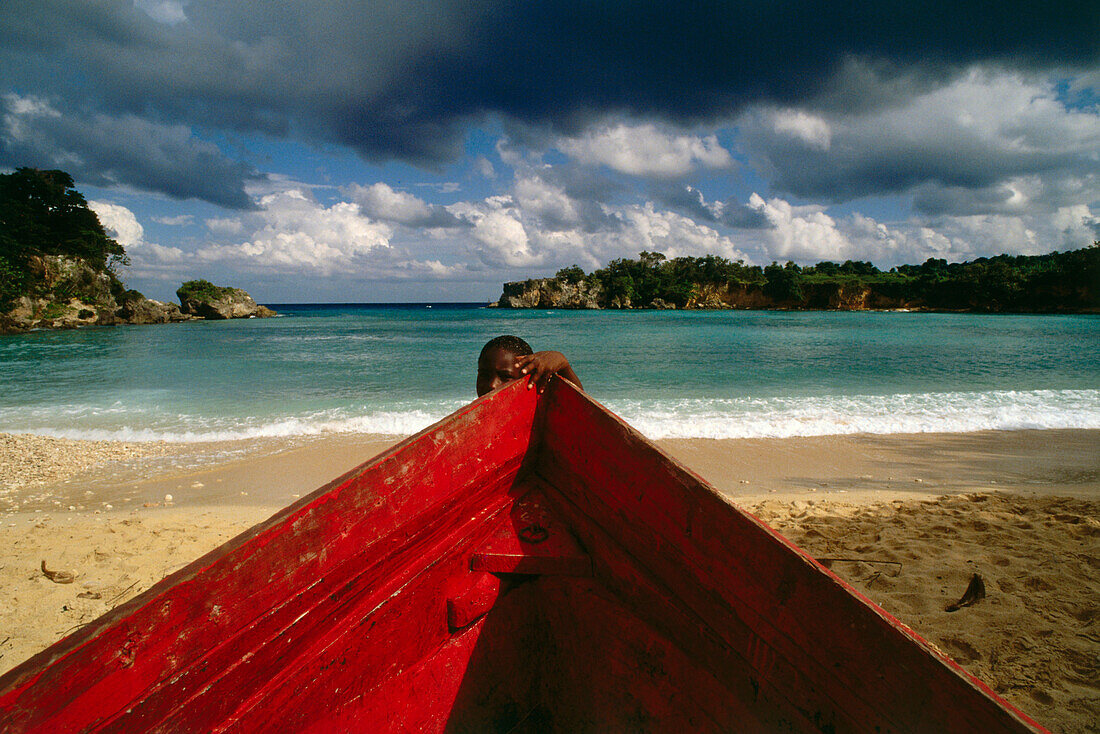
[46, 474]
[922, 512]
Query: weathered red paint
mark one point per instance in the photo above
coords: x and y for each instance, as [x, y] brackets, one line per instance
[471, 598]
[531, 541]
[528, 564]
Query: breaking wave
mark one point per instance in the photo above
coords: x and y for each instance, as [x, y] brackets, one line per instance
[658, 418]
[950, 412]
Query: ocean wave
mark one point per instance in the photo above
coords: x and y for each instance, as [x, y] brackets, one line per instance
[951, 412]
[387, 423]
[658, 418]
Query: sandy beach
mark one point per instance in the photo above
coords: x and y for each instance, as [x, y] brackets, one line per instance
[920, 514]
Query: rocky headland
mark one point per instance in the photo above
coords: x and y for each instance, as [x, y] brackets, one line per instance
[68, 293]
[589, 294]
[57, 266]
[552, 293]
[1058, 282]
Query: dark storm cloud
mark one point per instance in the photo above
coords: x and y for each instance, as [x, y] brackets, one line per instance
[402, 80]
[988, 142]
[690, 202]
[398, 79]
[105, 151]
[563, 64]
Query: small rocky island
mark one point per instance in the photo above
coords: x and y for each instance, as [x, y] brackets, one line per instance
[204, 300]
[57, 266]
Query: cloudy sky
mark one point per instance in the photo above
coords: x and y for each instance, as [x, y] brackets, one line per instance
[349, 150]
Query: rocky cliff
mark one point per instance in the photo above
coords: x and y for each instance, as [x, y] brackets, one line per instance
[551, 293]
[137, 309]
[557, 293]
[843, 297]
[66, 293]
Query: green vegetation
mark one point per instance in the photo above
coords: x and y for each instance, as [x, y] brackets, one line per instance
[42, 214]
[1059, 281]
[652, 276]
[572, 274]
[52, 311]
[201, 290]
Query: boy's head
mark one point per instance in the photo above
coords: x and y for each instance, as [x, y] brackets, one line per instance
[496, 365]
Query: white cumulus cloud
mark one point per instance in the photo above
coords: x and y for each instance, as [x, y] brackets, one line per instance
[169, 12]
[538, 198]
[147, 259]
[645, 150]
[800, 233]
[383, 202]
[295, 233]
[120, 223]
[179, 220]
[674, 235]
[499, 234]
[224, 225]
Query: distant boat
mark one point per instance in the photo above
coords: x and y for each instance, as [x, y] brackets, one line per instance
[530, 563]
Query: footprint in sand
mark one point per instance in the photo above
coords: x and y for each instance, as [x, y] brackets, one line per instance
[1036, 583]
[961, 650]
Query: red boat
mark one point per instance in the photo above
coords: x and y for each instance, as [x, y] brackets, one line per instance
[530, 563]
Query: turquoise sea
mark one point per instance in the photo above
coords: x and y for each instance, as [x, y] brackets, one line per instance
[394, 369]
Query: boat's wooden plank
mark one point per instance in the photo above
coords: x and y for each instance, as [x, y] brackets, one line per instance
[313, 626]
[470, 597]
[400, 669]
[720, 561]
[720, 654]
[169, 630]
[617, 673]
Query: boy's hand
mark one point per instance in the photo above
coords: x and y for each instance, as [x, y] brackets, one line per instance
[540, 366]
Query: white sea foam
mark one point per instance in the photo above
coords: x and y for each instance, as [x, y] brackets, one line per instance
[659, 418]
[188, 429]
[840, 414]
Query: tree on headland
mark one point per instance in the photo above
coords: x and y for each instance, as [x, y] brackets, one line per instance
[572, 275]
[41, 213]
[783, 282]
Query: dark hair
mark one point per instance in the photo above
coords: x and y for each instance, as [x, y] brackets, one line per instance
[508, 343]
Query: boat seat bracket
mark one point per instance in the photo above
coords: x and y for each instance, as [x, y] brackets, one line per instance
[526, 541]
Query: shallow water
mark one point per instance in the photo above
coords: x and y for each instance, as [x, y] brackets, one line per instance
[396, 369]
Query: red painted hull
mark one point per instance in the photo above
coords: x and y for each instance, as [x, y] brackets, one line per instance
[528, 564]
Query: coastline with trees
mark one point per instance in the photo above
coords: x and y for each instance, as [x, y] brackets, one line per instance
[1058, 282]
[58, 266]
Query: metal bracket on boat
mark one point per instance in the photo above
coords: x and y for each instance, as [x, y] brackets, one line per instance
[527, 541]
